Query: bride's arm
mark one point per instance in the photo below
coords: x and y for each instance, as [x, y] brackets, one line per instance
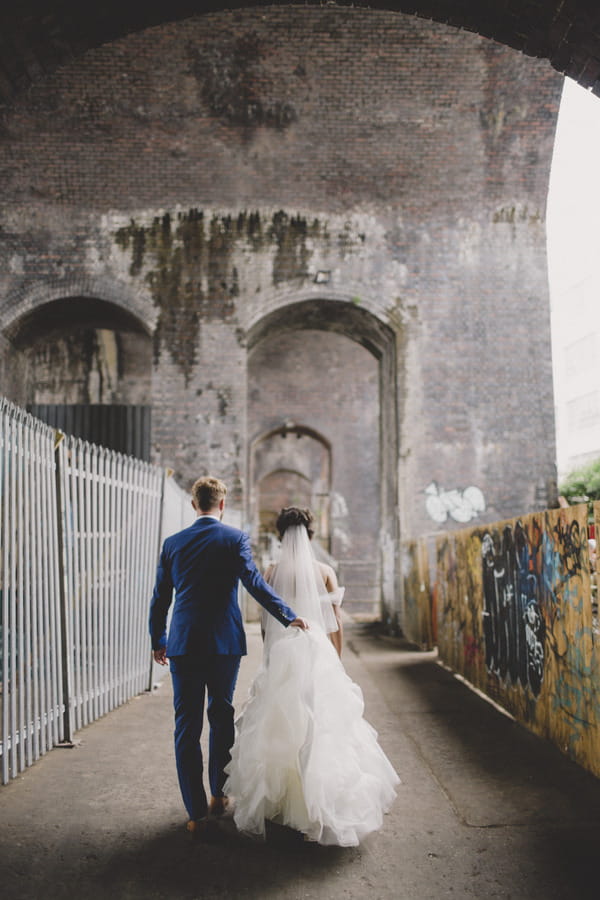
[268, 574]
[331, 583]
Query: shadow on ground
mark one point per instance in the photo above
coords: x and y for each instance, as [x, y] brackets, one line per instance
[485, 809]
[168, 864]
[494, 770]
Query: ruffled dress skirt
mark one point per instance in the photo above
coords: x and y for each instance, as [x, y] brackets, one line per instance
[304, 756]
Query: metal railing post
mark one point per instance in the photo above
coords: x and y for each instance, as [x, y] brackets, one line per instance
[161, 506]
[65, 624]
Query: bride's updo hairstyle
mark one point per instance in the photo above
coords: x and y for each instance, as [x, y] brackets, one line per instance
[293, 515]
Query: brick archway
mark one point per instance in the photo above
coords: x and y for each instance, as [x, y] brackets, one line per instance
[55, 312]
[290, 466]
[346, 323]
[85, 366]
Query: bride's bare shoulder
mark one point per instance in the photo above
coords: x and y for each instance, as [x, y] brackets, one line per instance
[328, 575]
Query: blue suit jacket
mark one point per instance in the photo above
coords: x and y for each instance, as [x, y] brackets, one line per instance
[204, 564]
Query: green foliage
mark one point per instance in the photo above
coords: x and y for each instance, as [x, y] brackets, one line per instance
[582, 484]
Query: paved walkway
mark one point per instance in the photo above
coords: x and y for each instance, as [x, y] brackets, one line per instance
[485, 810]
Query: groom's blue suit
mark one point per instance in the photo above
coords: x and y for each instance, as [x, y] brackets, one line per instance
[203, 564]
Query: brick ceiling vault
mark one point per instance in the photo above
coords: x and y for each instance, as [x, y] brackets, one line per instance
[38, 35]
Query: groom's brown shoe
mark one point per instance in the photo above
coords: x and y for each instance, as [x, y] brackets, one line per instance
[206, 830]
[218, 806]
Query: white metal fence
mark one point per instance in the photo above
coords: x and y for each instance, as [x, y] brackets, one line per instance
[32, 685]
[80, 529]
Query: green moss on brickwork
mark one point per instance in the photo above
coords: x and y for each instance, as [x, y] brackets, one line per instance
[291, 236]
[188, 265]
[513, 215]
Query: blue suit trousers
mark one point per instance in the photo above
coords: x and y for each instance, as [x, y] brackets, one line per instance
[192, 679]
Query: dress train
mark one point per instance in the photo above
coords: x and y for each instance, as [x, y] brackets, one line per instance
[304, 756]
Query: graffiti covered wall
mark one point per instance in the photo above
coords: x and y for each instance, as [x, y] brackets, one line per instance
[418, 621]
[514, 617]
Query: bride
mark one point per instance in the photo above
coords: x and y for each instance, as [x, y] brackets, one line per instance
[303, 754]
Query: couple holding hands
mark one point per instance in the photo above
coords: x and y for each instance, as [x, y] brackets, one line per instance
[300, 754]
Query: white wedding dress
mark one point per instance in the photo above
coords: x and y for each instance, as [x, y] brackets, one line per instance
[303, 754]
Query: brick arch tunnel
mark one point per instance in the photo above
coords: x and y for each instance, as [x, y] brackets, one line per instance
[383, 168]
[202, 166]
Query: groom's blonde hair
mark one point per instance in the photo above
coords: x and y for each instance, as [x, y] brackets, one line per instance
[208, 492]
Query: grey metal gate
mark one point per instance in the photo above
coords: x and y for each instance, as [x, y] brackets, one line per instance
[80, 528]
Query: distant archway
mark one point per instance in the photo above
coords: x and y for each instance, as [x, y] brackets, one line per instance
[290, 466]
[327, 359]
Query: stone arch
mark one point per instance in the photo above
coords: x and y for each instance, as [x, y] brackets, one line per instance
[338, 312]
[104, 294]
[380, 340]
[86, 349]
[29, 313]
[281, 478]
[71, 311]
[86, 367]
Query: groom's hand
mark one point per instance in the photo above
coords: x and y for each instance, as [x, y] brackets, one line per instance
[160, 656]
[300, 623]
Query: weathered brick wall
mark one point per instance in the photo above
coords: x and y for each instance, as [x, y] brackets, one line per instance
[12, 372]
[206, 174]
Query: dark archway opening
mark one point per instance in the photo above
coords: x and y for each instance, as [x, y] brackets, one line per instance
[87, 369]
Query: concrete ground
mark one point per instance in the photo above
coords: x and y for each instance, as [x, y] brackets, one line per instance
[485, 809]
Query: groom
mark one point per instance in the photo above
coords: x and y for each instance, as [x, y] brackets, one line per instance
[204, 564]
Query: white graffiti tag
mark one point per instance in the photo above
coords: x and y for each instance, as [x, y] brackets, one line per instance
[462, 506]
